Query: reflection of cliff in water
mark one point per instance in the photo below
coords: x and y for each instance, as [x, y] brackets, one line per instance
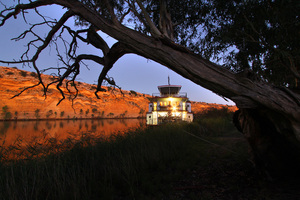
[10, 131]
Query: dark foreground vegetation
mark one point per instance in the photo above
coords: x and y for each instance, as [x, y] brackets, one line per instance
[206, 159]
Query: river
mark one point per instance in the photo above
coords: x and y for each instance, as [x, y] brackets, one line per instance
[24, 133]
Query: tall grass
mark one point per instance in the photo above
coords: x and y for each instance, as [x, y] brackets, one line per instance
[215, 122]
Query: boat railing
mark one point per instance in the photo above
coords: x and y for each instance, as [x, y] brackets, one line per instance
[181, 94]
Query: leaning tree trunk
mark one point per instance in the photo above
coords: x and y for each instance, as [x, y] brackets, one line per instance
[272, 140]
[268, 116]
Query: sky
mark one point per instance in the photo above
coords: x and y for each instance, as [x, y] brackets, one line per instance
[131, 72]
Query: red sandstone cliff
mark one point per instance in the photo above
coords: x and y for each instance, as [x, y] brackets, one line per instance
[32, 104]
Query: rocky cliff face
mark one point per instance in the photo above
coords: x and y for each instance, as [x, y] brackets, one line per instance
[31, 104]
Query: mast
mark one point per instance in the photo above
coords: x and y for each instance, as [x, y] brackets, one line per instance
[169, 85]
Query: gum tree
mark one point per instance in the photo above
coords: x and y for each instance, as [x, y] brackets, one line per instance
[260, 53]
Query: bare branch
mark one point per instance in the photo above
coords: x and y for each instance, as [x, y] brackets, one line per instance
[26, 89]
[116, 52]
[21, 7]
[50, 35]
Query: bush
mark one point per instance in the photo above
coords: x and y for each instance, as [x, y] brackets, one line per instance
[94, 110]
[9, 73]
[49, 113]
[37, 113]
[23, 73]
[133, 92]
[33, 74]
[8, 115]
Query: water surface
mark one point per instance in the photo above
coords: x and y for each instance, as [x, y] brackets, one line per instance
[28, 131]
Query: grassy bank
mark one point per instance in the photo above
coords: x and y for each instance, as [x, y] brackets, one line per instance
[175, 161]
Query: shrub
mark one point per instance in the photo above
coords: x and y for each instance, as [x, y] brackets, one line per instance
[4, 109]
[23, 73]
[37, 113]
[7, 115]
[94, 110]
[49, 113]
[93, 87]
[133, 92]
[110, 114]
[53, 78]
[33, 74]
[9, 73]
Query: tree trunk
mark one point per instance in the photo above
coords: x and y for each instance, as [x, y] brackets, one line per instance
[273, 144]
[268, 116]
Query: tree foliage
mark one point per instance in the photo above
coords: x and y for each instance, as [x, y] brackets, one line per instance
[261, 36]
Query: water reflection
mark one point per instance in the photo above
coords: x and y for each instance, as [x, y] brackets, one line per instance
[25, 131]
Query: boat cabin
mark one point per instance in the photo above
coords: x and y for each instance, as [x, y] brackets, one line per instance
[169, 105]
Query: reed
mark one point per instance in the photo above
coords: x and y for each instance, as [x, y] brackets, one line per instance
[140, 164]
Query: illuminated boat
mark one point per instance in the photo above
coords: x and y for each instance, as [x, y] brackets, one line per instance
[168, 106]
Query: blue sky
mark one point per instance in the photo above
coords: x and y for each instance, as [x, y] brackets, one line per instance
[131, 72]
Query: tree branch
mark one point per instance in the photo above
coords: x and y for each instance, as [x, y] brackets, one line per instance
[116, 52]
[153, 29]
[21, 7]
